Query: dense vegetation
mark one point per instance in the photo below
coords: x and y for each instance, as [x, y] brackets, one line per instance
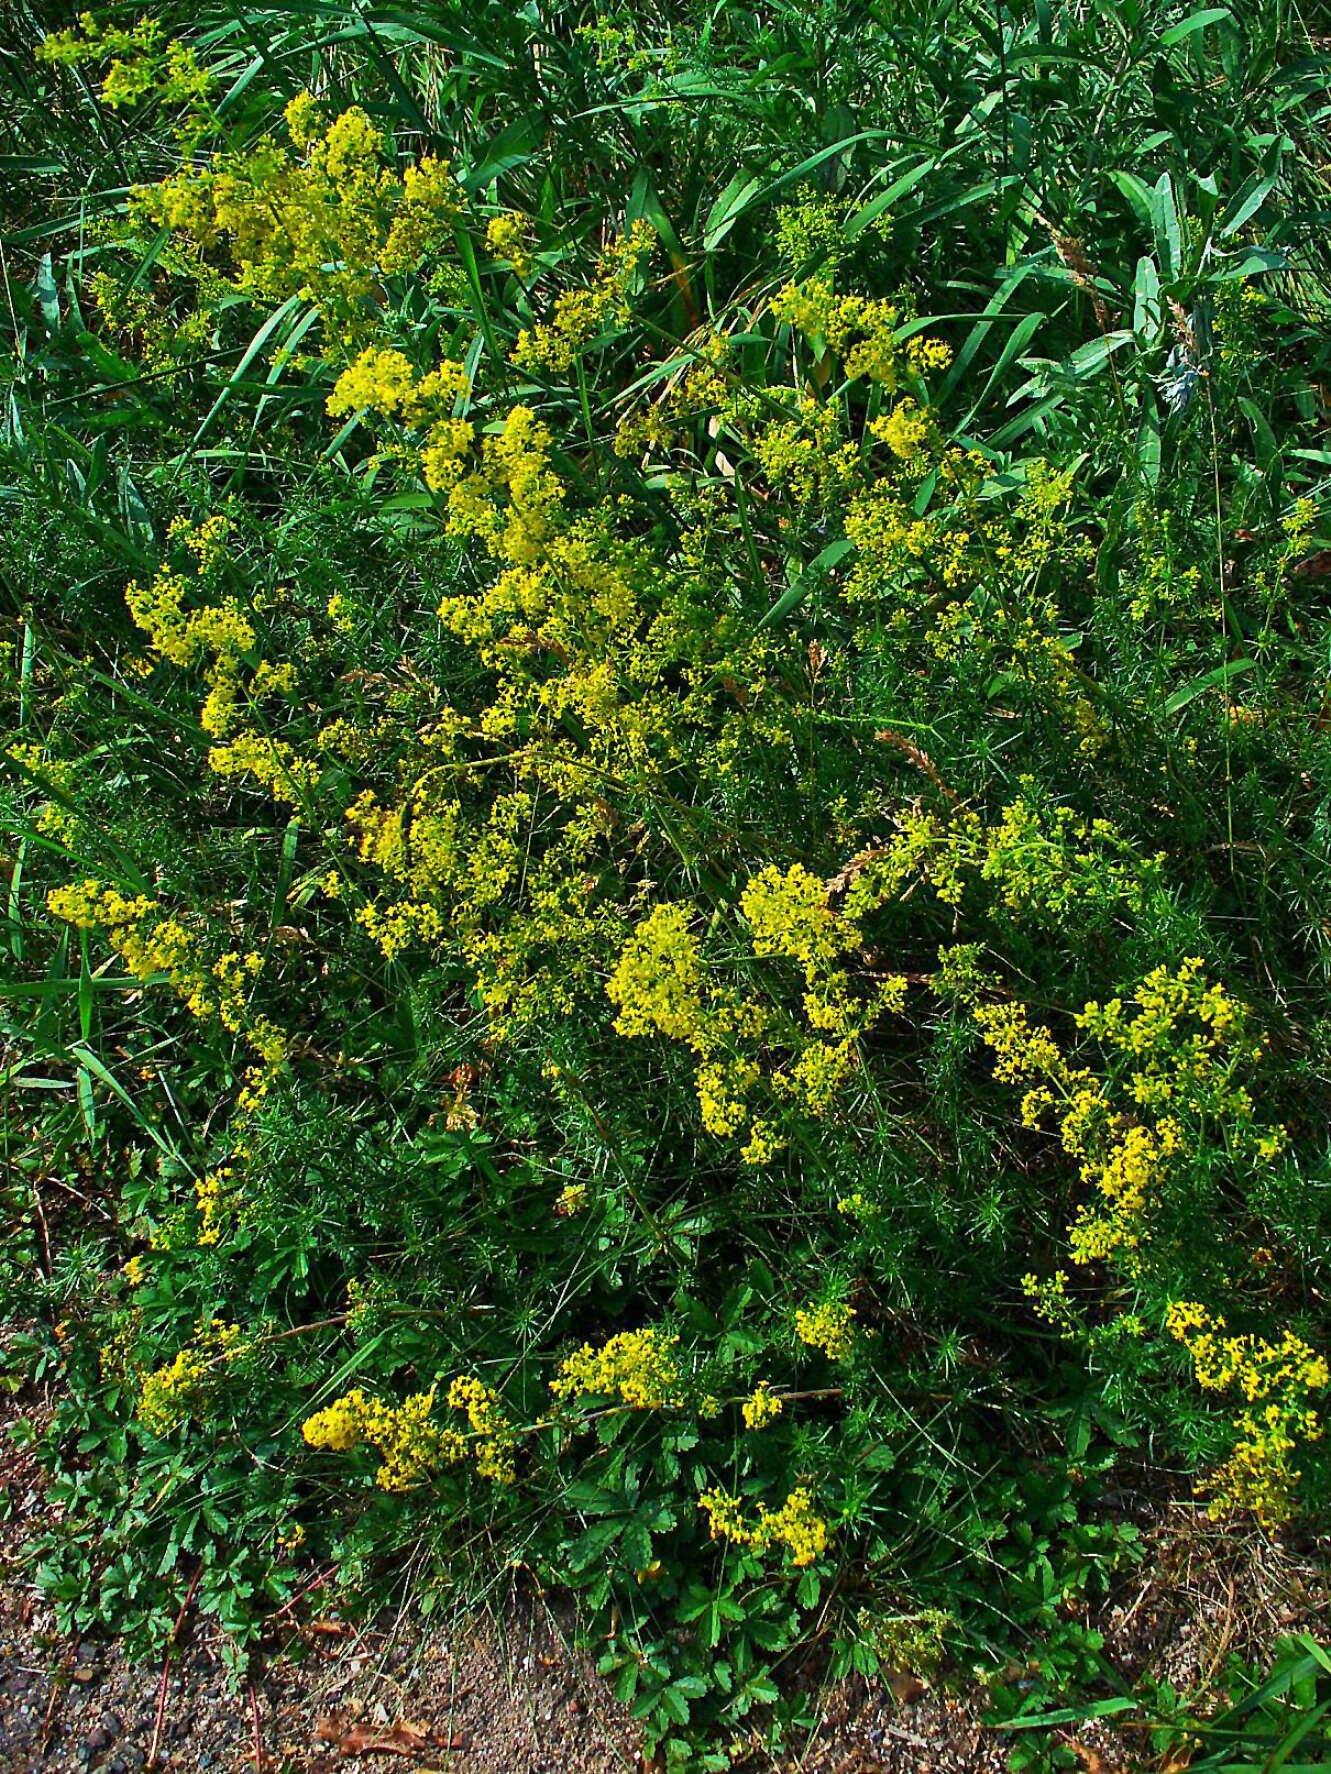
[668, 814]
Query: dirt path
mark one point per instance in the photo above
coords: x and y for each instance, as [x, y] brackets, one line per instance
[512, 1700]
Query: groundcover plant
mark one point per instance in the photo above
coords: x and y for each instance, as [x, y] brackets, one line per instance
[668, 815]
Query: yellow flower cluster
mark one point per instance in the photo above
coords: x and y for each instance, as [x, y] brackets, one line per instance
[1046, 858]
[861, 331]
[217, 633]
[809, 453]
[1042, 861]
[151, 943]
[901, 554]
[142, 65]
[660, 987]
[658, 979]
[506, 237]
[640, 1367]
[222, 636]
[909, 431]
[1129, 1180]
[273, 762]
[324, 225]
[830, 1327]
[54, 818]
[92, 38]
[410, 1446]
[170, 1395]
[790, 916]
[762, 1406]
[1275, 1380]
[857, 1206]
[493, 1437]
[385, 382]
[962, 574]
[208, 1191]
[1174, 1051]
[139, 314]
[1183, 1039]
[796, 1525]
[579, 315]
[619, 46]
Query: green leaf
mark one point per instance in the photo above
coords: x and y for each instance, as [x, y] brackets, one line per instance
[626, 1683]
[1196, 21]
[1191, 691]
[1148, 312]
[794, 595]
[674, 1703]
[1072, 1715]
[728, 209]
[593, 1544]
[1138, 194]
[1165, 221]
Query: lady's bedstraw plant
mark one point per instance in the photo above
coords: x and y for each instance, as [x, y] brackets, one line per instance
[650, 854]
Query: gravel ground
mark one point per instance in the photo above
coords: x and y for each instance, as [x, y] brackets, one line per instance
[510, 1701]
[514, 1700]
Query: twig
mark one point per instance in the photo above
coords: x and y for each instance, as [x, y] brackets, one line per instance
[161, 1709]
[317, 1583]
[94, 1206]
[41, 1220]
[166, 1667]
[50, 1707]
[258, 1746]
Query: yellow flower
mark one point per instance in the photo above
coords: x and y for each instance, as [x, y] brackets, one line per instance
[638, 1366]
[303, 117]
[495, 1440]
[796, 1525]
[580, 314]
[170, 1395]
[410, 1445]
[658, 981]
[829, 1327]
[762, 1407]
[506, 237]
[1275, 1380]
